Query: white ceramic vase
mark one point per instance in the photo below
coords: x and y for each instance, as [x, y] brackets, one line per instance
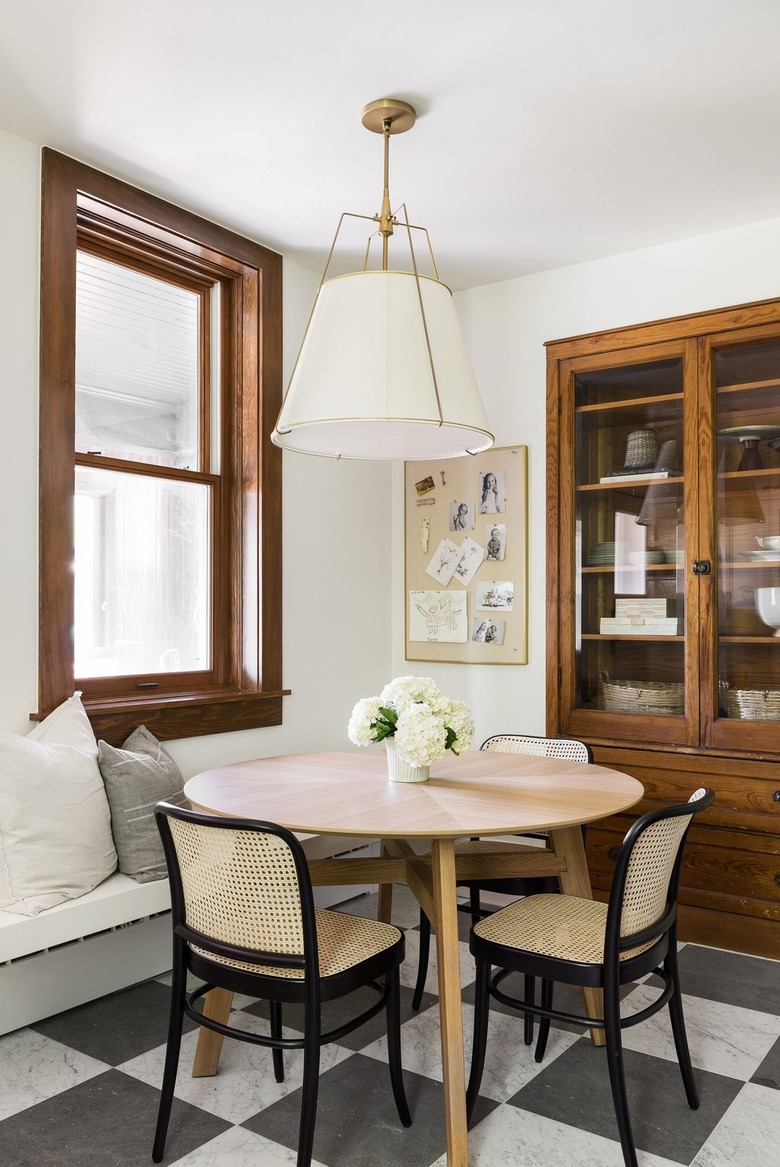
[399, 770]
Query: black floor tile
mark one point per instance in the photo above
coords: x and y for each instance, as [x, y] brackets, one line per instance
[768, 1073]
[116, 1028]
[730, 977]
[357, 1122]
[108, 1121]
[336, 1013]
[575, 1090]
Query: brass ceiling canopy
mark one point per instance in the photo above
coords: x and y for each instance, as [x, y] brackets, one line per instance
[399, 114]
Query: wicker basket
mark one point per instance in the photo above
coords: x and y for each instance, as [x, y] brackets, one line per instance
[643, 696]
[754, 704]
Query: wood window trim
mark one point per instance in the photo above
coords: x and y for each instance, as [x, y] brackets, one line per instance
[248, 692]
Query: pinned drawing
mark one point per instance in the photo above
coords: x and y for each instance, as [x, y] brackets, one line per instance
[495, 595]
[438, 616]
[495, 541]
[471, 556]
[444, 561]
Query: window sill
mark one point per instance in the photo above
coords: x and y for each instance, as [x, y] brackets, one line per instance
[182, 715]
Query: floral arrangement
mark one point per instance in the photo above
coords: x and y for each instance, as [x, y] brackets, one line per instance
[416, 713]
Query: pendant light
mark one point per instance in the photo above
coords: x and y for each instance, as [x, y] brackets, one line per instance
[383, 370]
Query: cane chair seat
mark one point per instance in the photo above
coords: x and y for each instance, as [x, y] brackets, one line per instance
[565, 927]
[342, 941]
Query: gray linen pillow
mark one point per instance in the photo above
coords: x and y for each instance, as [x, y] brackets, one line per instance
[136, 778]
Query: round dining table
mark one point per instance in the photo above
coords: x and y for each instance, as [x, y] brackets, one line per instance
[480, 793]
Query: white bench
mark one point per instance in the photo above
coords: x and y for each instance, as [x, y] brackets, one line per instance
[114, 936]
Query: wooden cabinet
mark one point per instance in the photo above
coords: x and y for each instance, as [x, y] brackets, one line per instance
[664, 591]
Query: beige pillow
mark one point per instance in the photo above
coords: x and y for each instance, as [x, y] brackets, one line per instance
[137, 777]
[55, 825]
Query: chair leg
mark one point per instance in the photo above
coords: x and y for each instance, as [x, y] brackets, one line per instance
[617, 1077]
[529, 993]
[481, 1016]
[678, 1028]
[394, 1046]
[544, 1022]
[175, 1022]
[475, 905]
[310, 1087]
[276, 1032]
[422, 962]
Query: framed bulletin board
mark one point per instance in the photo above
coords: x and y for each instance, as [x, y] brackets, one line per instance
[466, 558]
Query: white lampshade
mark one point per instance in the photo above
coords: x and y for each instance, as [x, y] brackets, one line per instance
[366, 380]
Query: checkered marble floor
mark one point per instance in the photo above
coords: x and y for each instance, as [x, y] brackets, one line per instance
[81, 1089]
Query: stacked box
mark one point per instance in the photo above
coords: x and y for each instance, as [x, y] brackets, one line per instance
[639, 625]
[640, 606]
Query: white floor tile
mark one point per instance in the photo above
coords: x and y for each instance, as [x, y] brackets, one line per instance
[748, 1135]
[244, 1083]
[509, 1064]
[516, 1138]
[722, 1038]
[34, 1067]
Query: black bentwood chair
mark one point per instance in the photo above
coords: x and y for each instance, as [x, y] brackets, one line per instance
[583, 942]
[568, 749]
[244, 919]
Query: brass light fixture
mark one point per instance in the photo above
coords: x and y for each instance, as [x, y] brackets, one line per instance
[383, 370]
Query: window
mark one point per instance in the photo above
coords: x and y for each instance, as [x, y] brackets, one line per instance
[160, 573]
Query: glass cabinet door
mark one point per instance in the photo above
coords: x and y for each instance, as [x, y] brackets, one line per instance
[629, 554]
[746, 390]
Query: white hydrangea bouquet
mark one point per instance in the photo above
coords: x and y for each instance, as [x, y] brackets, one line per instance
[416, 722]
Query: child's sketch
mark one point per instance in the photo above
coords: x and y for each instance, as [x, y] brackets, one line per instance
[471, 556]
[488, 631]
[444, 562]
[461, 516]
[494, 595]
[492, 492]
[438, 616]
[495, 540]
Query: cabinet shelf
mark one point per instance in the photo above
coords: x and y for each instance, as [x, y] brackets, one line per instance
[656, 410]
[612, 568]
[766, 472]
[642, 638]
[749, 640]
[634, 488]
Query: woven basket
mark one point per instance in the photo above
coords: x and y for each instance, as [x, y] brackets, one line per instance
[643, 696]
[754, 704]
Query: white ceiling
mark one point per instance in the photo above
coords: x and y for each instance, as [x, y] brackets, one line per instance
[549, 131]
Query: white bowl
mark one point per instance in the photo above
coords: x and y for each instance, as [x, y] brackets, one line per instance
[768, 542]
[768, 607]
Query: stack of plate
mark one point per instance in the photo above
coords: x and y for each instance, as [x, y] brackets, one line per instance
[645, 557]
[601, 554]
[674, 556]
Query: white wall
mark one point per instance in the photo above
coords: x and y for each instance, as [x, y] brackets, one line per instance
[506, 326]
[336, 554]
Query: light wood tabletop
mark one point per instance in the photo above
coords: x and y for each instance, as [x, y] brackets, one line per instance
[480, 793]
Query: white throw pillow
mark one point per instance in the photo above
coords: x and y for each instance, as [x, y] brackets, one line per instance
[55, 824]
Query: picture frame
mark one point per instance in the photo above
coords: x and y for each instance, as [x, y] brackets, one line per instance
[490, 491]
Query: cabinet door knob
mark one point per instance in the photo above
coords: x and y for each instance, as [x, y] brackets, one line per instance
[776, 796]
[702, 567]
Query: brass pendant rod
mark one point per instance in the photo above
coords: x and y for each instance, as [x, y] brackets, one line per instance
[386, 215]
[422, 314]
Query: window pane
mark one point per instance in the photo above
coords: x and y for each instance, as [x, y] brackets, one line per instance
[136, 365]
[142, 592]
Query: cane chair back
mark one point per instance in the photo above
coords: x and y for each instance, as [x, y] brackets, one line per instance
[567, 749]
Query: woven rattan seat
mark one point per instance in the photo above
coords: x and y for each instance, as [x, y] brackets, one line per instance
[567, 749]
[244, 920]
[342, 941]
[583, 942]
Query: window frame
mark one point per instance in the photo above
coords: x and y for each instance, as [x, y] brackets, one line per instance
[83, 207]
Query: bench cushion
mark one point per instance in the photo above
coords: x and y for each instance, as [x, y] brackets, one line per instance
[55, 828]
[137, 777]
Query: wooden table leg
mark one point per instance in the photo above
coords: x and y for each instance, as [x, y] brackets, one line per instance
[217, 1007]
[450, 1012]
[575, 881]
[384, 909]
